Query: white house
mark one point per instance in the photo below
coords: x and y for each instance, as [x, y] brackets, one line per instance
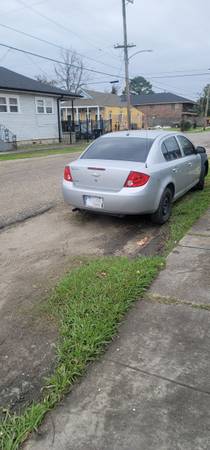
[29, 109]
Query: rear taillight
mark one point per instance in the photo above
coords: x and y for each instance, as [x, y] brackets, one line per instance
[136, 179]
[67, 174]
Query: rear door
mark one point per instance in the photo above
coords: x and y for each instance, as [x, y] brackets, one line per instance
[191, 160]
[175, 163]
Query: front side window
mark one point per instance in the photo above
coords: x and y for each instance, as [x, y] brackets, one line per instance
[119, 149]
[3, 104]
[170, 149]
[187, 146]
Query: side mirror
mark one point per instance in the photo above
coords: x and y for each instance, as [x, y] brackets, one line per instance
[200, 149]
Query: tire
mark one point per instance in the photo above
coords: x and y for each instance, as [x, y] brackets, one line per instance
[200, 185]
[164, 209]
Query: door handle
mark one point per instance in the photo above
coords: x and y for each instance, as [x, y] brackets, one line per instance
[188, 163]
[174, 170]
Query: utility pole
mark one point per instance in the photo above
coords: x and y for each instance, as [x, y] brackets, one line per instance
[207, 105]
[125, 46]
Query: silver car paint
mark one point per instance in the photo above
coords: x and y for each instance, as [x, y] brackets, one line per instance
[182, 173]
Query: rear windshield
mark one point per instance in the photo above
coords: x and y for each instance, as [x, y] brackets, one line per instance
[119, 149]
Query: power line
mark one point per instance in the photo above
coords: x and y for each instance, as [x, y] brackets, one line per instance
[73, 65]
[49, 19]
[45, 41]
[179, 76]
[47, 58]
[4, 55]
[22, 7]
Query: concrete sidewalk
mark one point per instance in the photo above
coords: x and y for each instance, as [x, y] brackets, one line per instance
[151, 389]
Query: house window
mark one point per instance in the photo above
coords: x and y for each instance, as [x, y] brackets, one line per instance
[3, 104]
[9, 104]
[44, 106]
[48, 106]
[40, 106]
[13, 104]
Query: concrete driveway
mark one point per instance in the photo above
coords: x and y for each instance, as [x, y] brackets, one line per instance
[40, 238]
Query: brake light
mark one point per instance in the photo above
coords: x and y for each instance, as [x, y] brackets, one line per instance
[67, 174]
[136, 179]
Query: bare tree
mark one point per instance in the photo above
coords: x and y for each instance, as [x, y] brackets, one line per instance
[45, 80]
[70, 75]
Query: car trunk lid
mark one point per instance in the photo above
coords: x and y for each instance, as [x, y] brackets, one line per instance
[105, 175]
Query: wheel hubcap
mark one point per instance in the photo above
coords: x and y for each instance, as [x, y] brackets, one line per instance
[165, 205]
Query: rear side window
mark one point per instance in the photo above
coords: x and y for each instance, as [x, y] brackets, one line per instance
[187, 146]
[170, 149]
[119, 149]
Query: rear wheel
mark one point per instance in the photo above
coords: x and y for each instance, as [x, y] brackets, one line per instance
[200, 185]
[164, 209]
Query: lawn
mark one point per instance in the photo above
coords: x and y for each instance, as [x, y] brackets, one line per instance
[88, 304]
[42, 152]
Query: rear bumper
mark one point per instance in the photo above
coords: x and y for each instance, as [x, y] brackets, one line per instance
[126, 201]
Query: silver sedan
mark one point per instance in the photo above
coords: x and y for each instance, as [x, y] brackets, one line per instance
[135, 172]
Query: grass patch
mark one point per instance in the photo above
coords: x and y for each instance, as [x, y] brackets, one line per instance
[42, 152]
[185, 212]
[88, 304]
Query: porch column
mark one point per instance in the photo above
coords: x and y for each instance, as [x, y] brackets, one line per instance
[77, 114]
[98, 116]
[87, 113]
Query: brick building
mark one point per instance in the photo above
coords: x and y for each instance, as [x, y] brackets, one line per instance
[164, 108]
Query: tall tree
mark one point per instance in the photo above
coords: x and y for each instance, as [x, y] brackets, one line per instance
[139, 85]
[70, 75]
[114, 89]
[202, 101]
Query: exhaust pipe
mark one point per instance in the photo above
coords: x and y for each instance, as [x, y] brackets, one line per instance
[75, 209]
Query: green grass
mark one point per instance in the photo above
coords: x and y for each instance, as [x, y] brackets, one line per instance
[42, 152]
[88, 304]
[185, 212]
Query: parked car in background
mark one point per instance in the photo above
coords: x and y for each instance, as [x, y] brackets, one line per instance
[135, 172]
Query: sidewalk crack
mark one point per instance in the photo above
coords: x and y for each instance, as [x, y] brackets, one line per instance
[195, 247]
[204, 235]
[167, 300]
[160, 377]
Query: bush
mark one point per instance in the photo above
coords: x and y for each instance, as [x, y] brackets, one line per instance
[185, 125]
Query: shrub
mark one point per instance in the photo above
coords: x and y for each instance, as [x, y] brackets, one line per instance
[185, 125]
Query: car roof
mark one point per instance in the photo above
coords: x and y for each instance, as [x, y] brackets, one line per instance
[146, 134]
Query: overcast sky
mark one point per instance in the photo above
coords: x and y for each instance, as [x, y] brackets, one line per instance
[176, 30]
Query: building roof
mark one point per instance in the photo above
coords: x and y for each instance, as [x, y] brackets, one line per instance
[95, 98]
[157, 99]
[14, 81]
